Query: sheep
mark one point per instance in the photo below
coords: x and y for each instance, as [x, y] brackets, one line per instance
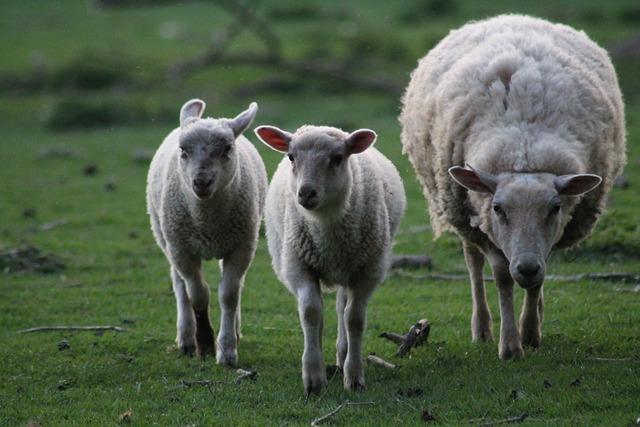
[333, 207]
[515, 128]
[205, 197]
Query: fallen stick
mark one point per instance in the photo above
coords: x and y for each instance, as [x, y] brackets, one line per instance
[372, 358]
[73, 328]
[610, 359]
[411, 261]
[245, 375]
[320, 420]
[417, 335]
[204, 383]
[510, 420]
[604, 277]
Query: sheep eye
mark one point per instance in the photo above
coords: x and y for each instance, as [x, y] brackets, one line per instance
[183, 153]
[554, 210]
[336, 160]
[498, 210]
[290, 158]
[227, 148]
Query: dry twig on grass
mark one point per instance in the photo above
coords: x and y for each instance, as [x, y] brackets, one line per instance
[372, 358]
[242, 376]
[73, 328]
[619, 277]
[417, 335]
[510, 420]
[322, 419]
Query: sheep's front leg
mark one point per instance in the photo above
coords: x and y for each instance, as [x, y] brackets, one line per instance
[510, 345]
[481, 321]
[314, 375]
[355, 318]
[531, 317]
[186, 323]
[234, 268]
[197, 290]
[341, 341]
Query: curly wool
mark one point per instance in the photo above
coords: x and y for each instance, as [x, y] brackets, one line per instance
[513, 94]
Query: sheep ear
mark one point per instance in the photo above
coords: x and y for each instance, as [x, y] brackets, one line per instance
[360, 140]
[242, 121]
[575, 185]
[191, 110]
[274, 138]
[474, 180]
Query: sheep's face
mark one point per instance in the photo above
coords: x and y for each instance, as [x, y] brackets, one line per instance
[527, 214]
[320, 174]
[207, 148]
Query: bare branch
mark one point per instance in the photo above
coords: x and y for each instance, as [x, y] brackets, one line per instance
[72, 328]
[322, 419]
[372, 358]
[619, 277]
[417, 335]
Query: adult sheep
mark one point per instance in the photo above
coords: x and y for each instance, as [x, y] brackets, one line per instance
[333, 207]
[527, 118]
[205, 195]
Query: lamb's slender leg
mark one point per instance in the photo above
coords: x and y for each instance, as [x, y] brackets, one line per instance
[531, 317]
[510, 345]
[355, 317]
[481, 321]
[186, 323]
[314, 375]
[341, 341]
[198, 292]
[234, 268]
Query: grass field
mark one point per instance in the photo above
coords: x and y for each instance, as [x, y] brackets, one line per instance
[587, 371]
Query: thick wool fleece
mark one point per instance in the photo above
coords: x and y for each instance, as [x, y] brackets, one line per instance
[513, 94]
[341, 245]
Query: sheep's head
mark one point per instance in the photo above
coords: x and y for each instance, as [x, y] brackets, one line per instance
[208, 159]
[526, 215]
[319, 156]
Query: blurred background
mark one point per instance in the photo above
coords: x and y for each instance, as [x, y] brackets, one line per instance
[89, 89]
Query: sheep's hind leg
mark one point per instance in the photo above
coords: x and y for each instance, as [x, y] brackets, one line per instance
[198, 291]
[355, 317]
[531, 317]
[481, 321]
[341, 341]
[234, 268]
[186, 320]
[510, 345]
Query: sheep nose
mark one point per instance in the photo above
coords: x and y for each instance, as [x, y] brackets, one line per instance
[308, 196]
[201, 184]
[528, 269]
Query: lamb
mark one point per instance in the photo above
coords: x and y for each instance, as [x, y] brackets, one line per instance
[333, 207]
[205, 197]
[515, 127]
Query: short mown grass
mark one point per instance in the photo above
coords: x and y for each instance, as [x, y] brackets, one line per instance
[587, 371]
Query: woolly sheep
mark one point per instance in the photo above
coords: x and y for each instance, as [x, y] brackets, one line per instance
[205, 195]
[333, 207]
[527, 118]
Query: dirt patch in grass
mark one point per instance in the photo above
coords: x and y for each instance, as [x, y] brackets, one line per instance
[29, 259]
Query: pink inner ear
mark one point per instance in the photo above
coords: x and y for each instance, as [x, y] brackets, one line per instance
[361, 140]
[273, 138]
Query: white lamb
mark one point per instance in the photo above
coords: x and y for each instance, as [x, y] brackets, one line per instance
[205, 196]
[332, 212]
[534, 111]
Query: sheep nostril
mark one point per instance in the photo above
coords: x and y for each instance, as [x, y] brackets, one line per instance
[201, 183]
[528, 269]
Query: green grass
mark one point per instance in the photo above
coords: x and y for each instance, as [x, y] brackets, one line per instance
[116, 274]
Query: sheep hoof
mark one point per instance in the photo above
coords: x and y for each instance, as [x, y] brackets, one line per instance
[187, 349]
[513, 351]
[314, 382]
[354, 383]
[531, 338]
[227, 358]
